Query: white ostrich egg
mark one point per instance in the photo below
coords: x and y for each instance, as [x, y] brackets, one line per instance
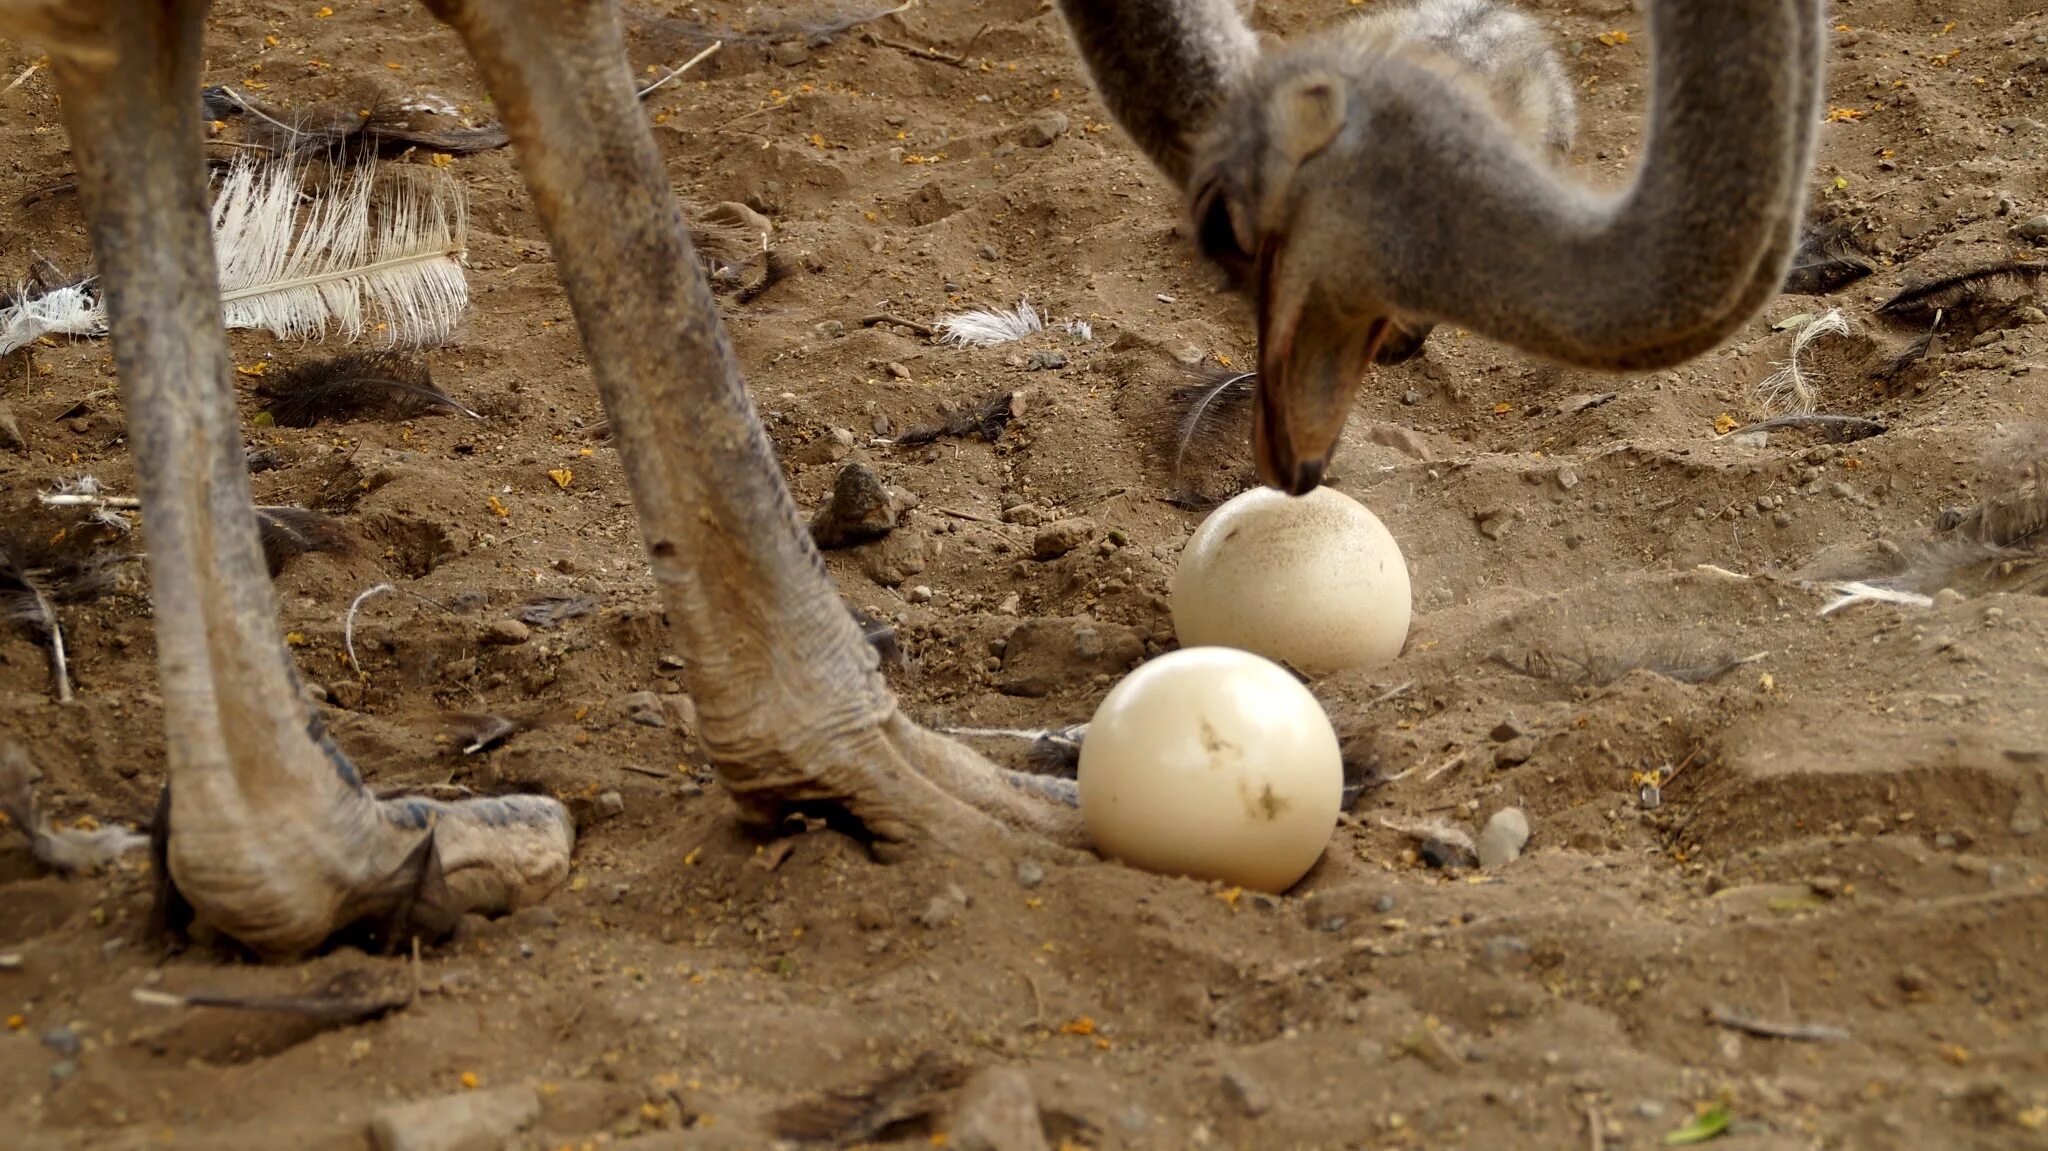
[1315, 582]
[1213, 763]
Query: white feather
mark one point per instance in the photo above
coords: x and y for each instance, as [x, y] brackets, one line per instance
[1856, 591]
[71, 311]
[986, 329]
[379, 246]
[1786, 390]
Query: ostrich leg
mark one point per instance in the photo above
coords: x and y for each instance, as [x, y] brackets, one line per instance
[791, 706]
[272, 838]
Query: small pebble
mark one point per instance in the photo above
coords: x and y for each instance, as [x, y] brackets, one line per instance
[2034, 229]
[1029, 874]
[860, 509]
[997, 1110]
[64, 1041]
[611, 804]
[872, 916]
[941, 911]
[1060, 537]
[644, 708]
[919, 594]
[1246, 1094]
[507, 633]
[1503, 838]
[459, 1122]
[1383, 904]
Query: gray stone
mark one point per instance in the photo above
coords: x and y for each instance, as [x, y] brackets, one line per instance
[1246, 1094]
[1040, 133]
[789, 53]
[1514, 752]
[1503, 838]
[939, 912]
[860, 509]
[64, 1041]
[997, 1110]
[611, 804]
[644, 708]
[892, 560]
[1029, 874]
[1046, 359]
[464, 1121]
[507, 633]
[2034, 229]
[1060, 537]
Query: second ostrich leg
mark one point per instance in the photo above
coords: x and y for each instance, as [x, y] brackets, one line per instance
[791, 705]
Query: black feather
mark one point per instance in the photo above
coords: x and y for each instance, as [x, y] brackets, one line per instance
[474, 732]
[1209, 451]
[32, 585]
[352, 385]
[218, 103]
[370, 118]
[289, 532]
[1832, 428]
[24, 599]
[775, 268]
[1827, 260]
[1915, 351]
[2015, 512]
[1998, 285]
[985, 420]
[549, 610]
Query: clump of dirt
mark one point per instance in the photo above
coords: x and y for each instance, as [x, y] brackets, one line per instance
[1791, 823]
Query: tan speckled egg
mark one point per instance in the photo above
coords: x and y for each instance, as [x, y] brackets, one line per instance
[1213, 763]
[1315, 581]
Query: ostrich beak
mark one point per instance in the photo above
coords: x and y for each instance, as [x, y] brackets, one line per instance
[1312, 358]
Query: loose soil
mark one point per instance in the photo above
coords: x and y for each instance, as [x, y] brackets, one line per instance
[1849, 826]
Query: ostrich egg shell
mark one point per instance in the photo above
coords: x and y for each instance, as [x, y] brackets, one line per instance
[1315, 582]
[1212, 763]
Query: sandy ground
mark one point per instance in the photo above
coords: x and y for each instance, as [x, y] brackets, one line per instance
[1849, 827]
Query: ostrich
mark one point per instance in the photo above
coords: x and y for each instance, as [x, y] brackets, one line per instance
[1508, 59]
[1343, 187]
[1347, 189]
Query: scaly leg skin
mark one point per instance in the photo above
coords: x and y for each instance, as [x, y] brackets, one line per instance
[793, 710]
[270, 836]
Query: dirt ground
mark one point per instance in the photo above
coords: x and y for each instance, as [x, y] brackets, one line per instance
[1849, 827]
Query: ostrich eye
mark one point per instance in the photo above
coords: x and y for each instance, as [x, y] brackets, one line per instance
[1217, 233]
